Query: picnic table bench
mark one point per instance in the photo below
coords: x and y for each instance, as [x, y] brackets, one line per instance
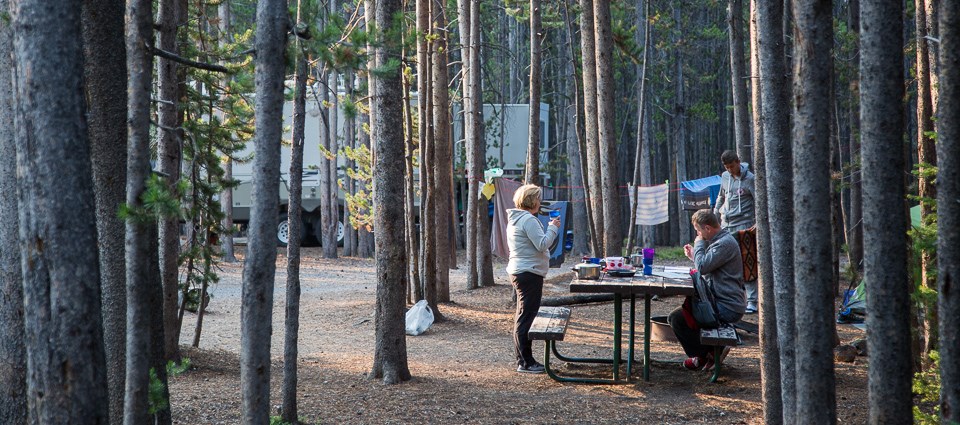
[550, 325]
[719, 338]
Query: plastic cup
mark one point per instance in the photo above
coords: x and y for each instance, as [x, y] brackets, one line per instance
[648, 253]
[555, 214]
[647, 269]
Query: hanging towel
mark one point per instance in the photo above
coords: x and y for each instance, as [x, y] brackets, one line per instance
[653, 206]
[502, 200]
[700, 193]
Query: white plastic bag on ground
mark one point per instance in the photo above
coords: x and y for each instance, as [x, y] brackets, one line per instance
[419, 318]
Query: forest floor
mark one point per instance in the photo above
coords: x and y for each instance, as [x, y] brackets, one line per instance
[463, 368]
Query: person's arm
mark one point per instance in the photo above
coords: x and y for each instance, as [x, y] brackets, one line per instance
[541, 240]
[707, 259]
[721, 197]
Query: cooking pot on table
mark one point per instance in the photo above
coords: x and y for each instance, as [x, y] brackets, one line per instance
[587, 271]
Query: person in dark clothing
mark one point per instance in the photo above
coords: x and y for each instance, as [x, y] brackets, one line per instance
[528, 264]
[716, 255]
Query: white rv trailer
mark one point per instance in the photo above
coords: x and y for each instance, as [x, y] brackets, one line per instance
[513, 153]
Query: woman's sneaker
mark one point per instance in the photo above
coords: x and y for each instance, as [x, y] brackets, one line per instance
[534, 368]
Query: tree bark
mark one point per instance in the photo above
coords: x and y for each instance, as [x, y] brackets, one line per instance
[881, 112]
[531, 173]
[591, 132]
[680, 143]
[168, 157]
[443, 151]
[484, 255]
[473, 162]
[139, 35]
[948, 191]
[855, 232]
[105, 59]
[926, 158]
[13, 355]
[741, 124]
[770, 388]
[816, 392]
[288, 410]
[638, 168]
[65, 363]
[226, 198]
[606, 123]
[349, 184]
[260, 262]
[390, 349]
[778, 158]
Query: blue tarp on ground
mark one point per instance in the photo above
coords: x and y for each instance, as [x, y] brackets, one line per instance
[700, 193]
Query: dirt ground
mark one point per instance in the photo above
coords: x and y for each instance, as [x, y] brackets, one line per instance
[464, 369]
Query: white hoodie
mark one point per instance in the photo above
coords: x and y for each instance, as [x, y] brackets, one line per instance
[529, 244]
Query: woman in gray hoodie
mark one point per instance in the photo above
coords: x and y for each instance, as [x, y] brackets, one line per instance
[529, 259]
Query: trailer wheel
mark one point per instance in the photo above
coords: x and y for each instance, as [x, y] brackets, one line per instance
[283, 231]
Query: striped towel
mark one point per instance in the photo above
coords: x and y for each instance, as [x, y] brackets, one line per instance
[653, 204]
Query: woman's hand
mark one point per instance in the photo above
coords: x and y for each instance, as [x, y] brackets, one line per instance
[555, 222]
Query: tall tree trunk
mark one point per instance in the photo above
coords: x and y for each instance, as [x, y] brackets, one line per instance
[484, 253]
[288, 410]
[591, 132]
[105, 59]
[641, 112]
[741, 124]
[226, 197]
[139, 35]
[778, 157]
[816, 392]
[576, 166]
[443, 151]
[770, 389]
[349, 184]
[606, 123]
[948, 191]
[260, 262]
[587, 232]
[926, 157]
[365, 247]
[428, 231]
[413, 242]
[885, 233]
[328, 180]
[335, 218]
[855, 232]
[680, 111]
[473, 162]
[168, 157]
[531, 173]
[390, 350]
[13, 355]
[66, 366]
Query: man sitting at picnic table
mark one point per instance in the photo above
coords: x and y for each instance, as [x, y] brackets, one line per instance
[716, 255]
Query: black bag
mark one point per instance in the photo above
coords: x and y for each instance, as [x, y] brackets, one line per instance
[702, 304]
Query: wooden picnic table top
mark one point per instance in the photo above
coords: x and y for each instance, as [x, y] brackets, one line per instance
[636, 285]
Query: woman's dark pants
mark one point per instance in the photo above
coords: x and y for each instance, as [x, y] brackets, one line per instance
[529, 287]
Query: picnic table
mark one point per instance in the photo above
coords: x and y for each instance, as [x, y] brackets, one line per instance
[621, 287]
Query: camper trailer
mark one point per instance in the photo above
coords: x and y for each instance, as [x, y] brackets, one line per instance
[506, 134]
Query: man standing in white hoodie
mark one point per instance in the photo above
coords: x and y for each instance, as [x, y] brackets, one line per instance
[735, 207]
[529, 259]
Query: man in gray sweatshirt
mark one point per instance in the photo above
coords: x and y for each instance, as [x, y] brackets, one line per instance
[735, 207]
[716, 255]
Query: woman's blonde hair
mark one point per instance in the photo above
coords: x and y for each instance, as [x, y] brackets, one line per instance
[527, 196]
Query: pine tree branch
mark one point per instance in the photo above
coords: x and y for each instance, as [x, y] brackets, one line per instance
[184, 61]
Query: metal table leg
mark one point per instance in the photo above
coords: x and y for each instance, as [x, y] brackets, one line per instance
[617, 322]
[633, 314]
[646, 337]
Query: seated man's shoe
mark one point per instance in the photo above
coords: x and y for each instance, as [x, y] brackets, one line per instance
[751, 308]
[534, 368]
[711, 362]
[694, 363]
